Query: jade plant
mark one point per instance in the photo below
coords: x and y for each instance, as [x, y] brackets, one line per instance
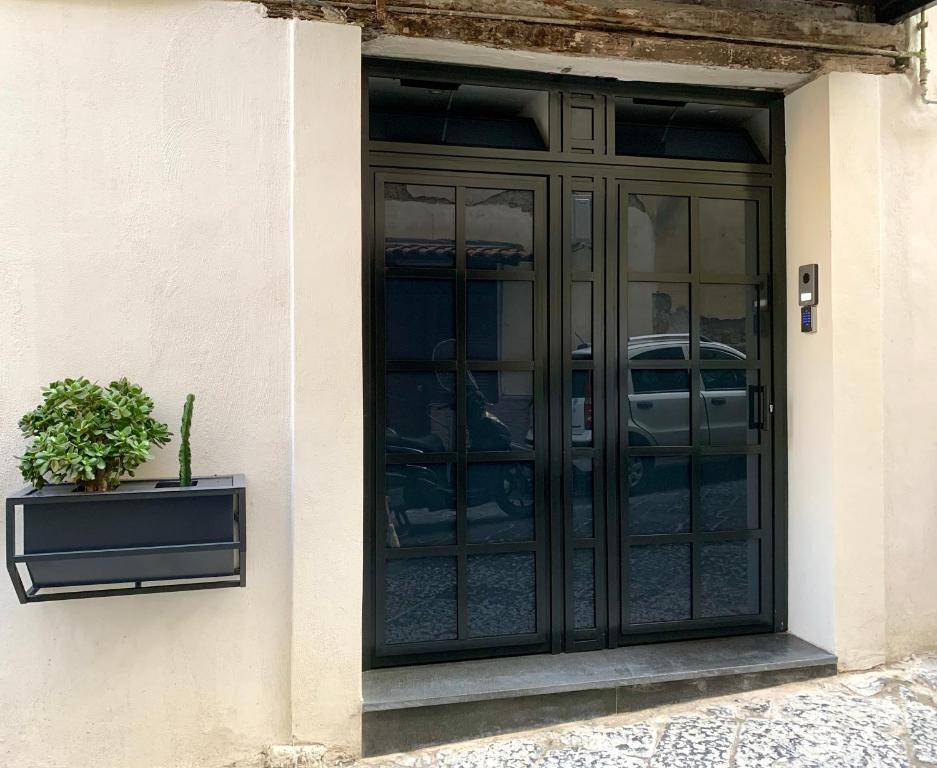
[86, 434]
[185, 451]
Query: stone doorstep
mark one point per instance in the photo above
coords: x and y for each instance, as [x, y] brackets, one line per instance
[407, 708]
[885, 717]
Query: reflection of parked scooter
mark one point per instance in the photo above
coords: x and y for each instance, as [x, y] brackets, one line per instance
[422, 485]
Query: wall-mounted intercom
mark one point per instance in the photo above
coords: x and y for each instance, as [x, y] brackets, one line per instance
[808, 293]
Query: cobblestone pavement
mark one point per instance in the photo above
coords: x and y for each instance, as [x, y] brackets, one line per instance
[881, 719]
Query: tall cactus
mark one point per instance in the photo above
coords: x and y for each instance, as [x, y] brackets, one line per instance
[185, 451]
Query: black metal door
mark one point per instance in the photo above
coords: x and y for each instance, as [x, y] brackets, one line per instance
[461, 349]
[692, 395]
[574, 303]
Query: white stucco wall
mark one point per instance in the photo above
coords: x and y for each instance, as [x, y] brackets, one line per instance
[328, 420]
[909, 294]
[145, 230]
[862, 158]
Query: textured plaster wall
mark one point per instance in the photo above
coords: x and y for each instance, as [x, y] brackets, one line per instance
[862, 159]
[328, 420]
[909, 287]
[835, 402]
[144, 231]
[811, 527]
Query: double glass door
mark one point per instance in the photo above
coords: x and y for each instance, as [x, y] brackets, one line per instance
[571, 412]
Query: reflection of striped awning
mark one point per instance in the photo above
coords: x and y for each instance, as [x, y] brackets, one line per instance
[478, 254]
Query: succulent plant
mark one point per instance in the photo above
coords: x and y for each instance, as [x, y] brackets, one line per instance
[86, 434]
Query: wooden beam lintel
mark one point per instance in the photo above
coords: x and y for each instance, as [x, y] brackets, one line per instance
[601, 38]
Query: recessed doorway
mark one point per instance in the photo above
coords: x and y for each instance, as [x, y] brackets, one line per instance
[572, 334]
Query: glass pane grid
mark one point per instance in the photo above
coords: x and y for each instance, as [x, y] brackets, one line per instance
[692, 320]
[472, 321]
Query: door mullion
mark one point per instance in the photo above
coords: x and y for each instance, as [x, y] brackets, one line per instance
[696, 412]
[616, 387]
[461, 417]
[557, 452]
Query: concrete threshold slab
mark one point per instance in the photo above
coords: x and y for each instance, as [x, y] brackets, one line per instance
[410, 707]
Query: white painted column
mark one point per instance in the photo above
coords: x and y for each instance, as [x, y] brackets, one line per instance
[328, 548]
[835, 400]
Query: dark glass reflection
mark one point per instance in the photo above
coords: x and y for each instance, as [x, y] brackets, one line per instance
[728, 321]
[420, 412]
[728, 236]
[420, 600]
[660, 583]
[435, 112]
[581, 237]
[499, 229]
[419, 319]
[658, 233]
[581, 317]
[658, 320]
[500, 502]
[419, 226]
[584, 588]
[499, 410]
[659, 494]
[420, 505]
[696, 131]
[730, 578]
[582, 496]
[725, 406]
[729, 493]
[501, 594]
[582, 409]
[659, 406]
[499, 320]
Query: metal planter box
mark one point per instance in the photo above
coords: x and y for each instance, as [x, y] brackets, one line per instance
[145, 536]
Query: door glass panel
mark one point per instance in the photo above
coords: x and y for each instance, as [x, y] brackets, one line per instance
[420, 412]
[419, 319]
[500, 502]
[659, 407]
[501, 594]
[581, 240]
[499, 320]
[729, 493]
[499, 229]
[420, 505]
[581, 313]
[499, 409]
[419, 225]
[728, 322]
[583, 520]
[730, 578]
[658, 234]
[420, 600]
[584, 588]
[659, 495]
[437, 112]
[726, 405]
[658, 320]
[659, 583]
[699, 131]
[728, 236]
[581, 406]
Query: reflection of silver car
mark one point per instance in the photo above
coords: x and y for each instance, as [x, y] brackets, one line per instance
[659, 399]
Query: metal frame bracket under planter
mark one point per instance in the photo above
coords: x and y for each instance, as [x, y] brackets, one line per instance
[145, 536]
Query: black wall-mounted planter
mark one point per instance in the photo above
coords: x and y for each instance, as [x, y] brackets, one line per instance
[145, 536]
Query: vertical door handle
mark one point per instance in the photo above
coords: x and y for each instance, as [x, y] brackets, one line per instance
[756, 413]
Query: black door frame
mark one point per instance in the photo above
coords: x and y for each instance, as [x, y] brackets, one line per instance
[563, 167]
